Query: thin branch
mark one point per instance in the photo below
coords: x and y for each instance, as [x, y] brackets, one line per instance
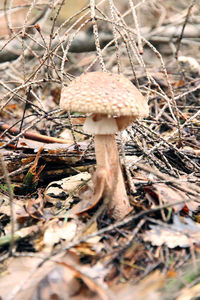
[10, 192]
[183, 28]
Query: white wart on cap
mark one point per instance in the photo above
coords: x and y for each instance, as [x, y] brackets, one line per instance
[111, 95]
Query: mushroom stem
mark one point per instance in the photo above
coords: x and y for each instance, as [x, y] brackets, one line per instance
[107, 158]
[100, 151]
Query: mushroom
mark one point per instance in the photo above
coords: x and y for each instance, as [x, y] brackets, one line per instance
[111, 103]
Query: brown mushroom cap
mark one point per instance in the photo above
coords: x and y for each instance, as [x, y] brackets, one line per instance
[104, 93]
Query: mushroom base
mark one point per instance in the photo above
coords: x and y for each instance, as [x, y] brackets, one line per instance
[109, 174]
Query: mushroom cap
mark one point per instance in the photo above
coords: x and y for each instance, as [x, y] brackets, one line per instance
[104, 93]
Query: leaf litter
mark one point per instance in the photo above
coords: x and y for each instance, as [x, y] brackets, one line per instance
[70, 248]
[183, 232]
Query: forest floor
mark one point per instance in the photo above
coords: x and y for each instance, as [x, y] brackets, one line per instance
[53, 245]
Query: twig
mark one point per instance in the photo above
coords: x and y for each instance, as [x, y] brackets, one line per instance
[33, 136]
[19, 171]
[133, 234]
[125, 164]
[24, 110]
[7, 15]
[115, 35]
[96, 35]
[190, 189]
[133, 10]
[183, 28]
[8, 182]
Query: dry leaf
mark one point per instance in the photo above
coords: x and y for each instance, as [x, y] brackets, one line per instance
[24, 279]
[91, 281]
[15, 280]
[190, 293]
[57, 231]
[61, 189]
[167, 195]
[178, 234]
[148, 288]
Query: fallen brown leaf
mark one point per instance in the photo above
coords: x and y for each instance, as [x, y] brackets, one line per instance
[57, 231]
[178, 234]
